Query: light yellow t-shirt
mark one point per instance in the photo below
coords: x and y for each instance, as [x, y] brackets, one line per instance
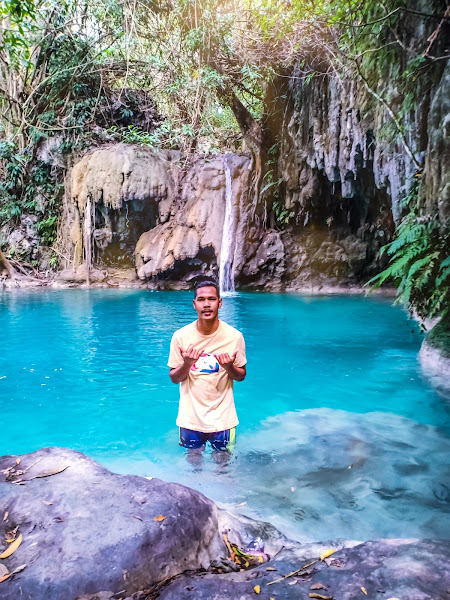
[206, 395]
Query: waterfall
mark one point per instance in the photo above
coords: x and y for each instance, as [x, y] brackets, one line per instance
[226, 274]
[87, 235]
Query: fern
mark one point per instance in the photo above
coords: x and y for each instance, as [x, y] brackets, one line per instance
[419, 263]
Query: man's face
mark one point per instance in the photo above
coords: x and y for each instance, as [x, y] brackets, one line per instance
[207, 304]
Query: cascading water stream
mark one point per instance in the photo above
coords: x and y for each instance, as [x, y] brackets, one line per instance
[87, 236]
[226, 272]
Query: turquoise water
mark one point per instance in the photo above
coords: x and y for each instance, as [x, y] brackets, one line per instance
[333, 383]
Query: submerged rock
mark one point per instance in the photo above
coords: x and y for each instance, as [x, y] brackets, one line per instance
[86, 529]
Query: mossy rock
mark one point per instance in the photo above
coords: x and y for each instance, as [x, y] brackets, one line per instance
[439, 336]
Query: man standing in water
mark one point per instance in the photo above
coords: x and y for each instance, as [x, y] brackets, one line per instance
[206, 357]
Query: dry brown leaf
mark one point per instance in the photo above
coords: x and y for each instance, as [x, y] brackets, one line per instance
[5, 577]
[326, 553]
[257, 589]
[313, 595]
[293, 582]
[364, 591]
[159, 518]
[270, 569]
[49, 472]
[12, 548]
[47, 503]
[317, 586]
[6, 515]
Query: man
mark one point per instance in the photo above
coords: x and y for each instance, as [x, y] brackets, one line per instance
[206, 357]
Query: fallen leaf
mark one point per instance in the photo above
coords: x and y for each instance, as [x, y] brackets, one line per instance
[136, 517]
[49, 472]
[317, 586]
[12, 548]
[17, 461]
[59, 519]
[5, 577]
[159, 518]
[47, 503]
[326, 553]
[292, 582]
[313, 595]
[149, 478]
[270, 569]
[364, 591]
[19, 569]
[257, 589]
[9, 540]
[6, 515]
[260, 558]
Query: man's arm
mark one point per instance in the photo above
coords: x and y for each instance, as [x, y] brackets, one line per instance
[190, 356]
[227, 362]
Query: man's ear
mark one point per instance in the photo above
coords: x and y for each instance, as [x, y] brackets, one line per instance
[220, 302]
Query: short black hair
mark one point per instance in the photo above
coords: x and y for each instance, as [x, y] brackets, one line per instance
[206, 283]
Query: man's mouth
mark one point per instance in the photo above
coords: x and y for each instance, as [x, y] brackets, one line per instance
[207, 312]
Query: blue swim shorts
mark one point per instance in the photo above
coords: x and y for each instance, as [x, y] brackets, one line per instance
[219, 440]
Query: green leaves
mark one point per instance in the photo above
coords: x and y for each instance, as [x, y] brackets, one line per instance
[419, 261]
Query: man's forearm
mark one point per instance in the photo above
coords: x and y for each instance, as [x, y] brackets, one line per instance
[180, 373]
[236, 373]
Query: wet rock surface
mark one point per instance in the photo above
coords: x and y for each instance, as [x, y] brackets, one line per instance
[90, 534]
[188, 239]
[403, 569]
[86, 529]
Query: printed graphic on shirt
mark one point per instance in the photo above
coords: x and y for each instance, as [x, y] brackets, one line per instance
[207, 363]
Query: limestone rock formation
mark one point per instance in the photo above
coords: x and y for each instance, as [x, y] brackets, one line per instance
[435, 356]
[116, 193]
[85, 529]
[189, 242]
[436, 185]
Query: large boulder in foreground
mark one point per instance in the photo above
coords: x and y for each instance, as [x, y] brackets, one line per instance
[85, 529]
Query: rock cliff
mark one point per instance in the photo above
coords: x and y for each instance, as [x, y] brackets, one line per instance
[342, 177]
